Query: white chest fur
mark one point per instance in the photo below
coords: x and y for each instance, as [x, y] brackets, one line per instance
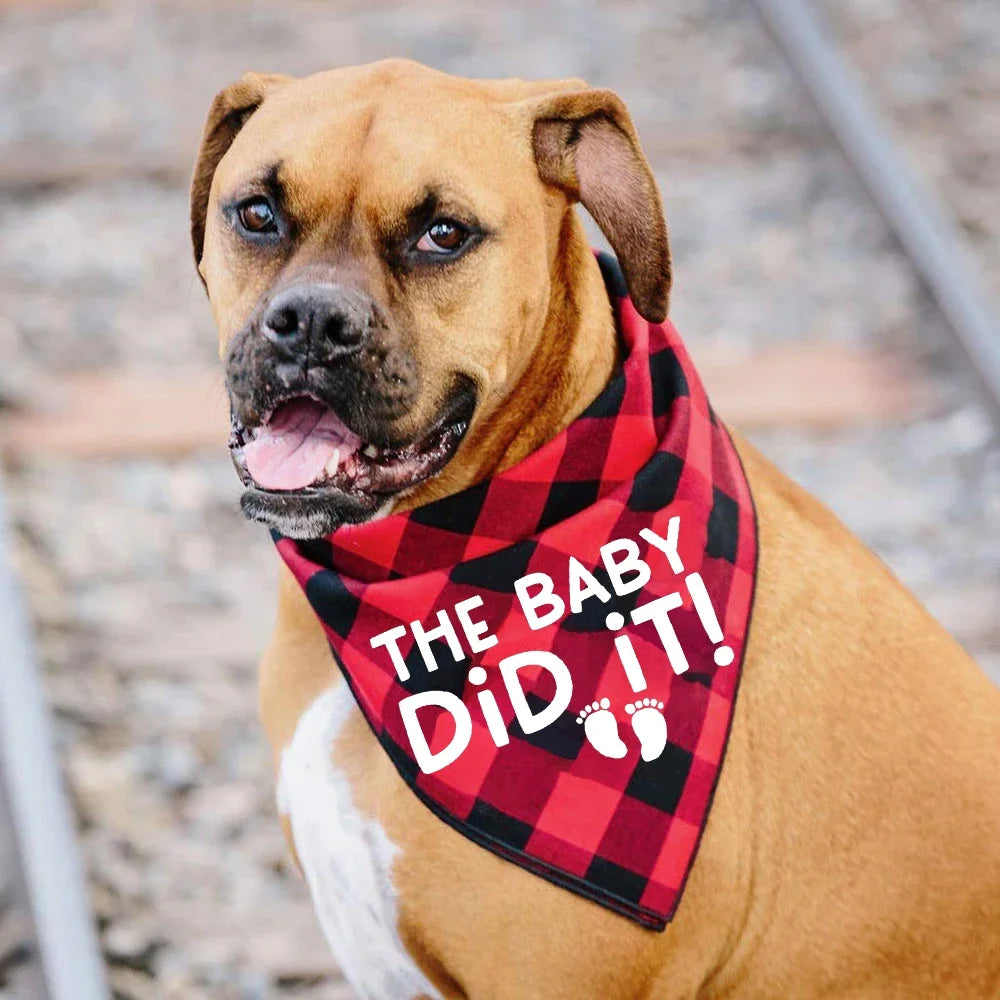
[347, 858]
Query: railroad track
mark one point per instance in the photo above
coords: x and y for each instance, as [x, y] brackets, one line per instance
[920, 223]
[48, 947]
[19, 970]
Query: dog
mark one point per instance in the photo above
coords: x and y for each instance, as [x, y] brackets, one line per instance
[400, 247]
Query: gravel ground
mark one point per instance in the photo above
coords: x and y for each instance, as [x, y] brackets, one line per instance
[152, 598]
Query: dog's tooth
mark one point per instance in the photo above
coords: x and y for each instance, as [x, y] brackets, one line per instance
[332, 465]
[370, 451]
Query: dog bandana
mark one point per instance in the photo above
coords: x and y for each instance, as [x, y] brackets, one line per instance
[550, 658]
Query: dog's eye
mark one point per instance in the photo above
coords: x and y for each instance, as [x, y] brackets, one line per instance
[256, 216]
[443, 236]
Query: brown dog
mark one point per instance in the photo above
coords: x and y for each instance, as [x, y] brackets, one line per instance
[401, 246]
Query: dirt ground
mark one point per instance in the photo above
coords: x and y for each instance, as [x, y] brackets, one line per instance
[152, 598]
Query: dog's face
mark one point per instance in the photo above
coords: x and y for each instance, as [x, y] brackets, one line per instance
[379, 245]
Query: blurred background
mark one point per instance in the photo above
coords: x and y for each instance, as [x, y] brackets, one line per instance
[150, 596]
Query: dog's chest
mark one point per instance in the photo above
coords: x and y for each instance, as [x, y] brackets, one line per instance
[346, 857]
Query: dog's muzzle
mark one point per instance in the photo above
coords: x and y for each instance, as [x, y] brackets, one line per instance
[318, 384]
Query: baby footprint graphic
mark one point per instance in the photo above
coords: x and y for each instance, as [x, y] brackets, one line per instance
[649, 725]
[601, 729]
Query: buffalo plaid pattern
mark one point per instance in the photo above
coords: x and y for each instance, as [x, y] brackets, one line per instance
[621, 832]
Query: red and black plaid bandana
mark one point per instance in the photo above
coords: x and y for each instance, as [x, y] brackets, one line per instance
[550, 658]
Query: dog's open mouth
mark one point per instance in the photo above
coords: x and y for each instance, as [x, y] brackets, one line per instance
[303, 448]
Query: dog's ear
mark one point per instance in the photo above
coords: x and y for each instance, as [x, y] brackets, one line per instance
[228, 113]
[586, 144]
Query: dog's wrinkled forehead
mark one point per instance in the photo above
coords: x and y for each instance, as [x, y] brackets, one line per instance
[365, 147]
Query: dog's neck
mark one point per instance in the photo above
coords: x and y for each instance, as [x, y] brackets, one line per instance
[575, 353]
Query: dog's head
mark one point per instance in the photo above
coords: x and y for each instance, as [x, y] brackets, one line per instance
[379, 245]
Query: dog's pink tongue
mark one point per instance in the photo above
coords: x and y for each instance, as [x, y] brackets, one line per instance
[294, 447]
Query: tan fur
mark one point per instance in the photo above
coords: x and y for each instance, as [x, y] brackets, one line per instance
[853, 849]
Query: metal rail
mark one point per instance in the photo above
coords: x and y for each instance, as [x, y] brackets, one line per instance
[925, 229]
[39, 814]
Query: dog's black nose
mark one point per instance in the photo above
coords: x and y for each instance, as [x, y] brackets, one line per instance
[326, 319]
